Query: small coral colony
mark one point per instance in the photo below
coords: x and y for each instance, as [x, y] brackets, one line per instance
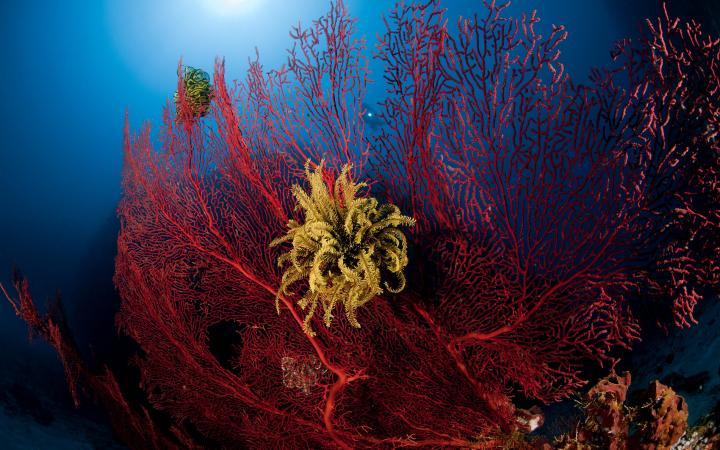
[414, 282]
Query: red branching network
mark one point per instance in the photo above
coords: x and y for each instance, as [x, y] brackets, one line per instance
[543, 207]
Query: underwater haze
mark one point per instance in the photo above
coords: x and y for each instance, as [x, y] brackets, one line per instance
[71, 71]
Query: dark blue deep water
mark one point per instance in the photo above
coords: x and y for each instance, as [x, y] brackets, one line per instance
[69, 70]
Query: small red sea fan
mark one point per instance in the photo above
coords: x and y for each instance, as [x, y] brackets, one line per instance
[664, 104]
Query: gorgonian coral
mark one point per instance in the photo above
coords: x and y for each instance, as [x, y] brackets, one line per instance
[347, 248]
[198, 91]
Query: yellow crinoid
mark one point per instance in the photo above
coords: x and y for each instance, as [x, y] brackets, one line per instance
[198, 91]
[349, 249]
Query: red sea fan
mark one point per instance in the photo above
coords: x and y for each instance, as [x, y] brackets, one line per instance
[534, 203]
[198, 215]
[495, 151]
[662, 105]
[680, 168]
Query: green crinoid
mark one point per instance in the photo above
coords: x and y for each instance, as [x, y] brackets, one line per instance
[349, 249]
[198, 91]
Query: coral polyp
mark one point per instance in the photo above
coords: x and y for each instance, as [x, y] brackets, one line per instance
[349, 249]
